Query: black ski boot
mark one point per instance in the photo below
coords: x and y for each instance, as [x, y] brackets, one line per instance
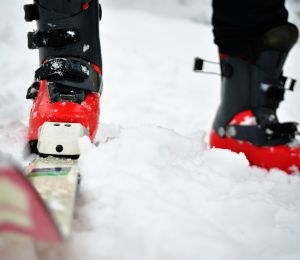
[246, 120]
[68, 84]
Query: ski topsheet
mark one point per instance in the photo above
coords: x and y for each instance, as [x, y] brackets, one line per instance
[56, 181]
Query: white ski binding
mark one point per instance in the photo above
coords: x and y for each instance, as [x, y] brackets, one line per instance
[60, 139]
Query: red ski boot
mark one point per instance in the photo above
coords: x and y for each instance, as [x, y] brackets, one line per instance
[68, 84]
[246, 121]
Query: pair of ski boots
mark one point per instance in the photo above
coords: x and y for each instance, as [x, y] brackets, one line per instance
[246, 120]
[67, 86]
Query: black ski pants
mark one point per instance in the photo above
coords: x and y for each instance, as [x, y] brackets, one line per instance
[237, 24]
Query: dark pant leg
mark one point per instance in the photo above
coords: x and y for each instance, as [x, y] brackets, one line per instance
[237, 24]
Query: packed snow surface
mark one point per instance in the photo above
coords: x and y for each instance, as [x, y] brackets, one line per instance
[151, 189]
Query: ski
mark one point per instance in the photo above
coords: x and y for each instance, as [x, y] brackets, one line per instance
[56, 180]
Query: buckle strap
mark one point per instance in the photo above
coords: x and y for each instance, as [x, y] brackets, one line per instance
[290, 82]
[31, 12]
[273, 95]
[275, 92]
[71, 72]
[62, 68]
[52, 38]
[279, 129]
[269, 135]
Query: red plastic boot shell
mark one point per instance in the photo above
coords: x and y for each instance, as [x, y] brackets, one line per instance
[283, 157]
[43, 110]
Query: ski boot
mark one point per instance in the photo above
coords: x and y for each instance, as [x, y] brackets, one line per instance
[246, 120]
[68, 84]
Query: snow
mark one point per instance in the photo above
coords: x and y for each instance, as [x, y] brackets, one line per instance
[151, 189]
[72, 33]
[86, 47]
